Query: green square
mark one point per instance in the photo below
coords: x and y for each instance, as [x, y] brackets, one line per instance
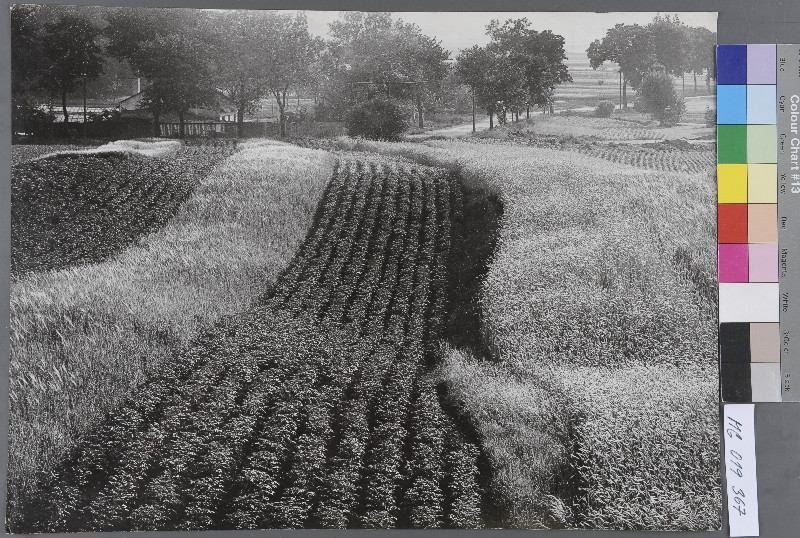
[732, 144]
[762, 146]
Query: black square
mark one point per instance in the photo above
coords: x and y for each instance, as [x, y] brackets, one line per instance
[734, 380]
[734, 342]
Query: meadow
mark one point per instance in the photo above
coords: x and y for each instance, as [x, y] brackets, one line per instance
[83, 338]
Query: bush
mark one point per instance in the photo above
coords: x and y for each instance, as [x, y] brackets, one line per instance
[604, 109]
[710, 117]
[378, 119]
[660, 98]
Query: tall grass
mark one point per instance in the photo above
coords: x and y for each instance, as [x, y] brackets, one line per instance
[83, 338]
[602, 412]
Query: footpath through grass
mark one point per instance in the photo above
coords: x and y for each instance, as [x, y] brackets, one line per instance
[82, 339]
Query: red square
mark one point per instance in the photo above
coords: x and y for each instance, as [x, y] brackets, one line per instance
[732, 223]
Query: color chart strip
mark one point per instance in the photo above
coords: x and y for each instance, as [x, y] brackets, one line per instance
[747, 223]
[788, 80]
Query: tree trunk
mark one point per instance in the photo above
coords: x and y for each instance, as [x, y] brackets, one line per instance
[182, 132]
[64, 106]
[694, 74]
[491, 120]
[528, 112]
[708, 81]
[625, 93]
[280, 97]
[240, 120]
[419, 111]
[552, 109]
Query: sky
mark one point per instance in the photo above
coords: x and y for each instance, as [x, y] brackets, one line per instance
[460, 30]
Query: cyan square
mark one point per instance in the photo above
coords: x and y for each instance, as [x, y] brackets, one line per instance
[732, 104]
[761, 104]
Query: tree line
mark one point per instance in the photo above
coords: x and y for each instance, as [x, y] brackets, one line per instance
[665, 44]
[189, 58]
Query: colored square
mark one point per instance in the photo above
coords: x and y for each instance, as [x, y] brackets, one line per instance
[732, 183]
[732, 263]
[765, 342]
[761, 105]
[731, 144]
[731, 64]
[762, 223]
[734, 342]
[762, 262]
[762, 183]
[761, 64]
[750, 301]
[732, 223]
[732, 104]
[734, 380]
[762, 146]
[765, 380]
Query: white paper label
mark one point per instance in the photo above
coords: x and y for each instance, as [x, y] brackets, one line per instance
[740, 469]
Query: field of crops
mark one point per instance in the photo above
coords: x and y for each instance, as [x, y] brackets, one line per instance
[317, 408]
[83, 338]
[663, 158]
[21, 153]
[600, 409]
[76, 208]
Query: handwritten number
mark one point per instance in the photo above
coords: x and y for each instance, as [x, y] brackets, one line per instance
[739, 492]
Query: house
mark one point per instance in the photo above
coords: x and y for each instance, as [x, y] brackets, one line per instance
[224, 110]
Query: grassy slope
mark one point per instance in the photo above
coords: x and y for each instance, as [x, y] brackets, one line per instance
[83, 338]
[601, 305]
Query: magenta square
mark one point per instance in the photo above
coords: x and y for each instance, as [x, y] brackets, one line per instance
[733, 262]
[761, 66]
[763, 262]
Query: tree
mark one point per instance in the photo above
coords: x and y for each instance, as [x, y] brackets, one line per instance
[288, 53]
[26, 50]
[376, 55]
[497, 81]
[631, 47]
[70, 56]
[701, 53]
[421, 63]
[177, 68]
[669, 44]
[660, 98]
[238, 58]
[172, 50]
[540, 54]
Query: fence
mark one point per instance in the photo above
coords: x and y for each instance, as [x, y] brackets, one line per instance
[145, 128]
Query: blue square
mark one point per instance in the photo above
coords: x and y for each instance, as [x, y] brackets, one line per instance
[761, 104]
[732, 104]
[732, 64]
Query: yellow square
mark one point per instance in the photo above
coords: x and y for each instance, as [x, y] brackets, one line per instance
[762, 183]
[732, 183]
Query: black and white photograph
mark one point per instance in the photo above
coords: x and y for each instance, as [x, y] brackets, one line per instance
[286, 269]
